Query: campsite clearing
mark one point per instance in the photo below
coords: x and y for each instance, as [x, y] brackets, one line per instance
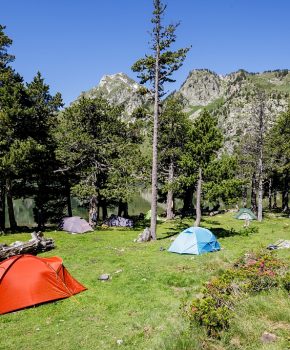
[139, 307]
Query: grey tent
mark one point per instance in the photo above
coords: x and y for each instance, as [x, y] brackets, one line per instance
[75, 224]
[115, 220]
[245, 214]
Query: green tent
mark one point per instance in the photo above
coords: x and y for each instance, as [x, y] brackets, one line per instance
[148, 216]
[245, 214]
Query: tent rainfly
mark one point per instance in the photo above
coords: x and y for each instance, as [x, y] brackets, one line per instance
[195, 240]
[27, 280]
[75, 224]
[148, 216]
[245, 214]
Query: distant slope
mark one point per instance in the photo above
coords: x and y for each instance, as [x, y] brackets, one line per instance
[230, 97]
[119, 89]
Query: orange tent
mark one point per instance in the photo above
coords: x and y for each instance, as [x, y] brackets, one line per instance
[27, 280]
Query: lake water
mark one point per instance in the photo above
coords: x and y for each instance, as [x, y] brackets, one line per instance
[23, 208]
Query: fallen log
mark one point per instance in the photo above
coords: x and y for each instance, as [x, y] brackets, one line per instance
[37, 244]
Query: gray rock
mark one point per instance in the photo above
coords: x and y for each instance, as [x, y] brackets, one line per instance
[104, 277]
[268, 337]
[119, 89]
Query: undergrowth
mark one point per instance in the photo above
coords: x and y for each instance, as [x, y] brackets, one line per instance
[253, 273]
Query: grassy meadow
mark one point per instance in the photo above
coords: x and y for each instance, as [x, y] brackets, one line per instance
[140, 306]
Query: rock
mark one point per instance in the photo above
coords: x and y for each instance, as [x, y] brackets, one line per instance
[268, 337]
[104, 277]
[230, 98]
[119, 89]
[144, 236]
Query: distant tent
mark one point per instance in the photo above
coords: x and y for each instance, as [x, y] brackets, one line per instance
[148, 216]
[245, 214]
[115, 220]
[195, 240]
[75, 224]
[27, 280]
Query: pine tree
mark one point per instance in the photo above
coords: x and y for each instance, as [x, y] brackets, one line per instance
[101, 150]
[157, 69]
[278, 146]
[252, 154]
[13, 140]
[204, 141]
[173, 128]
[48, 187]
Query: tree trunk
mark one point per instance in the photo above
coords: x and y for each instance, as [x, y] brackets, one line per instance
[93, 212]
[104, 209]
[285, 194]
[13, 223]
[260, 191]
[154, 183]
[170, 204]
[198, 199]
[2, 207]
[123, 209]
[270, 194]
[245, 197]
[254, 194]
[68, 197]
[261, 131]
[275, 206]
[187, 202]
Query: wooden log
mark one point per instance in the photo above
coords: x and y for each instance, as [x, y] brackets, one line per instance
[37, 244]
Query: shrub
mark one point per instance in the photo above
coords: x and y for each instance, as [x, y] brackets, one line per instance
[252, 273]
[207, 313]
[285, 281]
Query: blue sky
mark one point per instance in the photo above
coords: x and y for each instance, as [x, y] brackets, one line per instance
[73, 43]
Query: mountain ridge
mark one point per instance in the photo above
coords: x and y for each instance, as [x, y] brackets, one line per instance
[230, 97]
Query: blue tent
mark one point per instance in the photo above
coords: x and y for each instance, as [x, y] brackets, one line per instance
[195, 240]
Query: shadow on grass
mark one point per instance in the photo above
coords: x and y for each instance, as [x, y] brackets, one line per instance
[211, 222]
[173, 231]
[222, 233]
[19, 229]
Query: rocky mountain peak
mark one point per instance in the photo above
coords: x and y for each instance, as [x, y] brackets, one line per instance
[119, 89]
[201, 87]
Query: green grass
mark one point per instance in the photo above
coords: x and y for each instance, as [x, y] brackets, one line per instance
[140, 305]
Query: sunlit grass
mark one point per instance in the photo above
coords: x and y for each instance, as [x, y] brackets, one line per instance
[139, 308]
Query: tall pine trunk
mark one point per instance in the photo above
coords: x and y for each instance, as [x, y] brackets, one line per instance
[2, 207]
[275, 205]
[11, 215]
[187, 201]
[154, 184]
[261, 130]
[104, 209]
[68, 197]
[260, 189]
[254, 194]
[169, 202]
[198, 199]
[244, 194]
[270, 194]
[93, 211]
[285, 194]
[123, 209]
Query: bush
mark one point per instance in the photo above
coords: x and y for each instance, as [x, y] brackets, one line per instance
[247, 231]
[285, 281]
[207, 313]
[252, 273]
